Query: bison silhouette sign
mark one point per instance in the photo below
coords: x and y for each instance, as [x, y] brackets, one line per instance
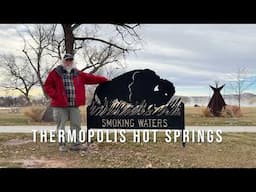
[137, 99]
[136, 86]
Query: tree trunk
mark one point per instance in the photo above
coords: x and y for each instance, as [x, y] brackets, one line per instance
[28, 99]
[42, 87]
[239, 92]
[69, 38]
[239, 100]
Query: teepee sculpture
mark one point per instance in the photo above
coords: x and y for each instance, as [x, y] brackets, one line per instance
[217, 102]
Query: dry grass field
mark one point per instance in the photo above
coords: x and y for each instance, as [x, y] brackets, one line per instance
[193, 116]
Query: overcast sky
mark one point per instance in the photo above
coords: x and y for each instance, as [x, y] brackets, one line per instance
[192, 56]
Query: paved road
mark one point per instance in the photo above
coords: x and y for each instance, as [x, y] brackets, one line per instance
[28, 129]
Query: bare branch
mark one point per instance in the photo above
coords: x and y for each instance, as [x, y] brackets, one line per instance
[30, 62]
[19, 75]
[101, 40]
[240, 82]
[15, 88]
[74, 26]
[101, 65]
[131, 30]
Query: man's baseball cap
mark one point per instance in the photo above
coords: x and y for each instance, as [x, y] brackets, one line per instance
[68, 56]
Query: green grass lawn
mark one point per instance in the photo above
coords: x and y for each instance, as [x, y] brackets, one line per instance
[238, 150]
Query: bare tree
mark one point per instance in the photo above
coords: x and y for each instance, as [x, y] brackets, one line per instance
[48, 41]
[97, 58]
[109, 50]
[43, 40]
[39, 45]
[240, 82]
[97, 51]
[19, 76]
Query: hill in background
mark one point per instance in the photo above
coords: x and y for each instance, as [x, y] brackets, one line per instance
[247, 100]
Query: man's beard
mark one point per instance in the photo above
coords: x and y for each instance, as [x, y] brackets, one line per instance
[69, 68]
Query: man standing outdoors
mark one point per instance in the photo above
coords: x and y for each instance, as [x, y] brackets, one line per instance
[65, 85]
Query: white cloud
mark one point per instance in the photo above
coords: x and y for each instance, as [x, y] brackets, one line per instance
[197, 54]
[10, 42]
[191, 55]
[158, 49]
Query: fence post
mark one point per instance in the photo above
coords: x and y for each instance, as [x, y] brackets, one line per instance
[182, 122]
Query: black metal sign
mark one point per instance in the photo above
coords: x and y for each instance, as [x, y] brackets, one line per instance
[138, 99]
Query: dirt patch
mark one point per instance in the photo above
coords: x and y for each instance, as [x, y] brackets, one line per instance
[41, 163]
[236, 151]
[28, 163]
[17, 142]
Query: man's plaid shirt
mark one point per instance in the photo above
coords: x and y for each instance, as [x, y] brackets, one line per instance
[69, 87]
